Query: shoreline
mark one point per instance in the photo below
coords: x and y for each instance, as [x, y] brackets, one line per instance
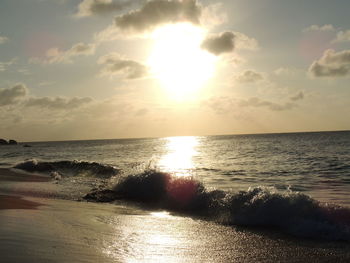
[12, 175]
[46, 229]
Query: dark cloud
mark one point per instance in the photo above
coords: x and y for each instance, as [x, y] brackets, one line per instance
[157, 12]
[218, 44]
[13, 95]
[101, 7]
[57, 103]
[227, 41]
[298, 96]
[114, 64]
[331, 64]
[249, 76]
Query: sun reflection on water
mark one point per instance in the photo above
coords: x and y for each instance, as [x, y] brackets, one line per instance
[179, 158]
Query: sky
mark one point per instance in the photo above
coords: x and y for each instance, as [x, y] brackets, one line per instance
[98, 69]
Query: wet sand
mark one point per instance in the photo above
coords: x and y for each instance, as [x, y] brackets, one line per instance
[35, 228]
[15, 202]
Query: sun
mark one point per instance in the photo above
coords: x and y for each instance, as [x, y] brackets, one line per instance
[178, 61]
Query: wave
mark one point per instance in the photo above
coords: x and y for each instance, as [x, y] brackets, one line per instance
[291, 212]
[69, 168]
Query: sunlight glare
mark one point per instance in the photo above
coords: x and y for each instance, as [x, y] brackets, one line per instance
[178, 61]
[179, 159]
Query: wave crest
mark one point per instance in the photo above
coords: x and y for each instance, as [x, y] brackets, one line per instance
[69, 168]
[294, 213]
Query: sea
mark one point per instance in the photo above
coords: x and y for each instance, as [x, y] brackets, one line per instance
[297, 182]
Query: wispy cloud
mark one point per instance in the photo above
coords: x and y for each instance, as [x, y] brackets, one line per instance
[286, 71]
[225, 105]
[259, 103]
[3, 39]
[57, 56]
[5, 64]
[249, 76]
[299, 96]
[342, 36]
[245, 42]
[115, 64]
[57, 103]
[213, 15]
[327, 27]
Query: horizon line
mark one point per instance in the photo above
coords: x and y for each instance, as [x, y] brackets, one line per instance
[157, 137]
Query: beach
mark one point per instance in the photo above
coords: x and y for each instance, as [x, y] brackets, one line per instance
[44, 228]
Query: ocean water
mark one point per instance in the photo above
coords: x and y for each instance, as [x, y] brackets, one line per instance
[316, 163]
[297, 182]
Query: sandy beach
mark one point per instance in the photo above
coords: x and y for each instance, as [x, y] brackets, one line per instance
[35, 228]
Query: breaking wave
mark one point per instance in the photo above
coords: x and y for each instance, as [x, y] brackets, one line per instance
[69, 168]
[290, 212]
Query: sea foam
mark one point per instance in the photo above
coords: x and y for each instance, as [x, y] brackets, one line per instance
[290, 212]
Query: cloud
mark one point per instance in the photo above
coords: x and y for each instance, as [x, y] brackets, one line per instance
[13, 95]
[101, 7]
[4, 65]
[57, 103]
[3, 39]
[108, 34]
[114, 64]
[224, 105]
[331, 64]
[157, 12]
[249, 76]
[259, 103]
[227, 41]
[221, 105]
[56, 56]
[323, 28]
[218, 44]
[298, 96]
[342, 36]
[19, 95]
[80, 49]
[213, 15]
[285, 71]
[244, 42]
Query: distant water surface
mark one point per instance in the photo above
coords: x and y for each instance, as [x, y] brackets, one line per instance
[315, 163]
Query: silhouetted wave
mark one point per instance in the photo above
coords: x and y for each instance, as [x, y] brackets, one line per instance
[291, 212]
[69, 168]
